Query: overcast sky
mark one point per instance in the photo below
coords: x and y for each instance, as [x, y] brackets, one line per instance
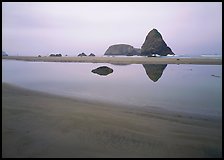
[71, 28]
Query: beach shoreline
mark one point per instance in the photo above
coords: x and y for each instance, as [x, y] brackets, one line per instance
[37, 124]
[120, 60]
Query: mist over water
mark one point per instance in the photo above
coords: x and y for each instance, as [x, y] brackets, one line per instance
[184, 88]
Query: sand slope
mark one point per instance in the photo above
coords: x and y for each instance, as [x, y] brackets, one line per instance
[36, 124]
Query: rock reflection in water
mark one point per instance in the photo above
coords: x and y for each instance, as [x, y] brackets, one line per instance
[103, 70]
[154, 71]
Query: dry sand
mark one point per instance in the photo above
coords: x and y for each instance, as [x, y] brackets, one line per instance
[36, 124]
[121, 60]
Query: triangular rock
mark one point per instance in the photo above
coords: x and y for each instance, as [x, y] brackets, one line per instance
[154, 44]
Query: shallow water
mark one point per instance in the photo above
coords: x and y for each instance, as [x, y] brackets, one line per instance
[184, 88]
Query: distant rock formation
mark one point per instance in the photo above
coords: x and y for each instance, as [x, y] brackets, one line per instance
[55, 55]
[154, 44]
[103, 70]
[4, 53]
[92, 54]
[154, 71]
[122, 49]
[82, 54]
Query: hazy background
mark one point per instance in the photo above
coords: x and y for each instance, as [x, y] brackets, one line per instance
[33, 28]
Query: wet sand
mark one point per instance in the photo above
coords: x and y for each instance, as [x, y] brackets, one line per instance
[120, 60]
[36, 124]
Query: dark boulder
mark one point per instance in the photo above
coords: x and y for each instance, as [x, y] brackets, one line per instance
[103, 70]
[154, 44]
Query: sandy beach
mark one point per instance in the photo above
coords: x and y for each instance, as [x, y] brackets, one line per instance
[120, 60]
[36, 124]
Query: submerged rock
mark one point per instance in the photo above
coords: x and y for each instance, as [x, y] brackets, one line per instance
[103, 70]
[154, 44]
[122, 49]
[154, 71]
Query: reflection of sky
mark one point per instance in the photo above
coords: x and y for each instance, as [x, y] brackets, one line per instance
[71, 28]
[190, 88]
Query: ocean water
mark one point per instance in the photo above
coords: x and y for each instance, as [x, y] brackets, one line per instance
[184, 88]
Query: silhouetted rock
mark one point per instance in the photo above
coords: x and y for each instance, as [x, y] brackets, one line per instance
[39, 55]
[4, 53]
[103, 70]
[58, 55]
[122, 49]
[154, 71]
[82, 54]
[137, 51]
[55, 55]
[154, 44]
[92, 54]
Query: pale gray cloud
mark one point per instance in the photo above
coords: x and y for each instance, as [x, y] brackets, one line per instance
[70, 28]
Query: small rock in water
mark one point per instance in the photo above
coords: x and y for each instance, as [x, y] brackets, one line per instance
[103, 70]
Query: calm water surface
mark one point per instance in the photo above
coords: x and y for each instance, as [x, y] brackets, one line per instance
[185, 88]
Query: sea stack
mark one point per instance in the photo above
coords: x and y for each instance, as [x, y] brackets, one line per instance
[154, 44]
[122, 50]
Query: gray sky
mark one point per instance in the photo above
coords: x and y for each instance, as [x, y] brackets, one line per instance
[33, 28]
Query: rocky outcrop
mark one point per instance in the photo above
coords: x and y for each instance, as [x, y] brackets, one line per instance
[4, 53]
[154, 44]
[55, 55]
[122, 49]
[82, 54]
[103, 70]
[92, 55]
[154, 71]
